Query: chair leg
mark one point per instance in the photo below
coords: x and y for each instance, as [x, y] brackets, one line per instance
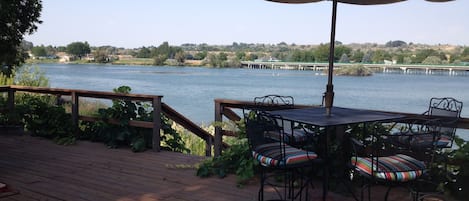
[387, 193]
[260, 195]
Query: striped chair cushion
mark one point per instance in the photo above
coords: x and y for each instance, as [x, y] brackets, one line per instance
[427, 140]
[391, 168]
[269, 155]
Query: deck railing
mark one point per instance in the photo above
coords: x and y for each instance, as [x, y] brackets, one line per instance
[158, 108]
[224, 108]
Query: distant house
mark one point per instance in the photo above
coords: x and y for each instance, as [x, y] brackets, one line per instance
[125, 57]
[89, 57]
[64, 57]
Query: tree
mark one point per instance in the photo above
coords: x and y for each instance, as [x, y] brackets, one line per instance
[465, 55]
[240, 55]
[344, 59]
[423, 54]
[222, 56]
[252, 57]
[357, 56]
[17, 18]
[50, 50]
[465, 52]
[367, 57]
[159, 60]
[39, 51]
[407, 60]
[144, 53]
[432, 60]
[78, 49]
[26, 45]
[200, 55]
[396, 43]
[379, 56]
[61, 49]
[321, 54]
[340, 50]
[212, 60]
[180, 58]
[101, 56]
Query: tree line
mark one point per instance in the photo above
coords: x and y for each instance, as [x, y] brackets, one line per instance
[398, 52]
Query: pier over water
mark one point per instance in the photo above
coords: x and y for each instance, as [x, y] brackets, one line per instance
[385, 68]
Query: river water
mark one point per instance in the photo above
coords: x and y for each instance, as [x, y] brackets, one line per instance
[192, 90]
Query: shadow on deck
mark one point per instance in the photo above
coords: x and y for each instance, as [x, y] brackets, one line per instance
[41, 170]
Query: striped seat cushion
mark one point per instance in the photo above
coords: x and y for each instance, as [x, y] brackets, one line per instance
[391, 168]
[270, 155]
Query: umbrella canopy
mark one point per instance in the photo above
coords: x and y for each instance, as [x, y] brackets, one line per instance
[329, 94]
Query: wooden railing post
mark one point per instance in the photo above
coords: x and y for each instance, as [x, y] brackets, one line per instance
[75, 113]
[208, 147]
[218, 130]
[11, 100]
[156, 103]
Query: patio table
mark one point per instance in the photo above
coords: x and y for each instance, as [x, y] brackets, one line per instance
[316, 116]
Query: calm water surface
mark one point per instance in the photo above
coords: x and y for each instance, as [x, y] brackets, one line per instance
[192, 90]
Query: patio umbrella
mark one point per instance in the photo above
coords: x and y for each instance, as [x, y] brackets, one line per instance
[329, 94]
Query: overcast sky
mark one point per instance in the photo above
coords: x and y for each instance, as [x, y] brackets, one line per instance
[137, 23]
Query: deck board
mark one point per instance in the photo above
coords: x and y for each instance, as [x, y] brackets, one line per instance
[41, 170]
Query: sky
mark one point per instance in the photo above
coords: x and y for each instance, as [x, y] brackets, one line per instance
[137, 23]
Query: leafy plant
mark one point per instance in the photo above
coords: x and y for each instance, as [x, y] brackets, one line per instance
[459, 170]
[6, 79]
[139, 139]
[236, 159]
[45, 119]
[11, 117]
[28, 75]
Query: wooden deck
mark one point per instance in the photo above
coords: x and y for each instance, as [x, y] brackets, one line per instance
[41, 170]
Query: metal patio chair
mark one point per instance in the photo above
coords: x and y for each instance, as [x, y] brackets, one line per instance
[375, 163]
[431, 134]
[448, 111]
[277, 159]
[294, 134]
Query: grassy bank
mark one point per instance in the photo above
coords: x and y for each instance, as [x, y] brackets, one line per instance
[133, 61]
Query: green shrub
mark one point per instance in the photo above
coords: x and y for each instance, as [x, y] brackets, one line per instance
[236, 159]
[6, 80]
[28, 75]
[458, 184]
[139, 139]
[355, 70]
[45, 119]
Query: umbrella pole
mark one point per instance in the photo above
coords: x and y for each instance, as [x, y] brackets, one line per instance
[329, 95]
